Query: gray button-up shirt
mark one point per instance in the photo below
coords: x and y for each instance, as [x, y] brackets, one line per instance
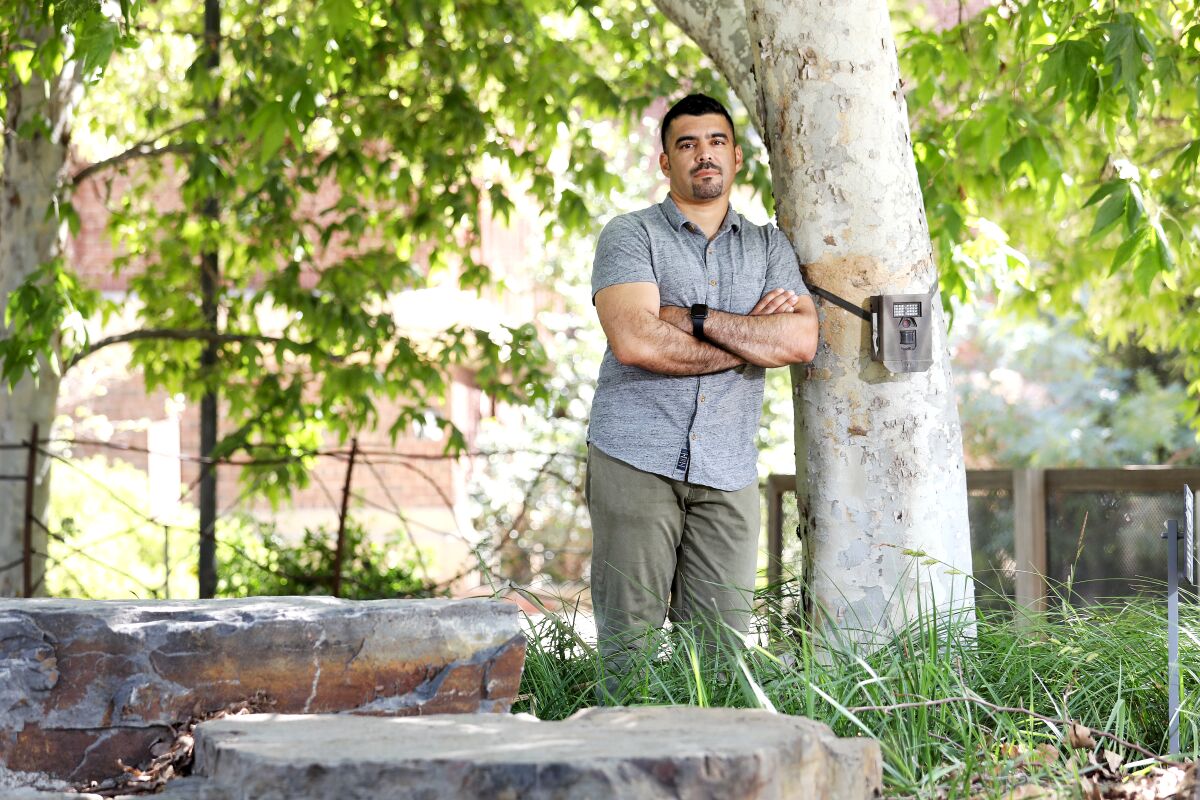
[696, 428]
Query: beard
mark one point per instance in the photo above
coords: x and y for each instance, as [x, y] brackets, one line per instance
[708, 188]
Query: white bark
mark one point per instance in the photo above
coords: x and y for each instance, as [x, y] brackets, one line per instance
[879, 456]
[718, 27]
[33, 175]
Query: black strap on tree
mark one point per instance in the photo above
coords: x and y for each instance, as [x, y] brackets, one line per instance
[840, 301]
[845, 304]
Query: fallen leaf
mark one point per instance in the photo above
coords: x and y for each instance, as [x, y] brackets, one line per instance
[1045, 754]
[1080, 737]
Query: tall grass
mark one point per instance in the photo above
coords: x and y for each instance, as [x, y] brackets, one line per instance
[1103, 665]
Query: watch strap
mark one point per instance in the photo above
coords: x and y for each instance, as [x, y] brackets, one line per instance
[699, 312]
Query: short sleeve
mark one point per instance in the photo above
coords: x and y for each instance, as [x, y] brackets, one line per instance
[783, 270]
[622, 255]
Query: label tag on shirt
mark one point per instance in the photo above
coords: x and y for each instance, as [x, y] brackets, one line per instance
[685, 455]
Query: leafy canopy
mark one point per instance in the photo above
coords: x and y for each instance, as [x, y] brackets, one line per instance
[357, 151]
[1068, 133]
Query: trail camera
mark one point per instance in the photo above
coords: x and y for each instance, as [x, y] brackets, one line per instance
[902, 331]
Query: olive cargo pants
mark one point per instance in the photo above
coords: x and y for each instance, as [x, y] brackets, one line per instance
[665, 548]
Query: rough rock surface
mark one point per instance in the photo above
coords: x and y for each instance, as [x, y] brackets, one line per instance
[642, 753]
[83, 683]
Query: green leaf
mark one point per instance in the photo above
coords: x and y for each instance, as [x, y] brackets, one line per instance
[1106, 189]
[21, 61]
[1148, 267]
[95, 39]
[1162, 247]
[1135, 208]
[1110, 211]
[1123, 54]
[1126, 250]
[1189, 157]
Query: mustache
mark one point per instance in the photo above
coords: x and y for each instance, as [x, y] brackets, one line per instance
[699, 167]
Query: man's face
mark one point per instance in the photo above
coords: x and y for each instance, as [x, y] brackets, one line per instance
[701, 158]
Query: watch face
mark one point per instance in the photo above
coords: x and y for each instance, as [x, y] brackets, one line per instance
[699, 310]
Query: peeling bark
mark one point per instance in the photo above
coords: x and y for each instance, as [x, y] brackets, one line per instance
[33, 178]
[718, 27]
[879, 456]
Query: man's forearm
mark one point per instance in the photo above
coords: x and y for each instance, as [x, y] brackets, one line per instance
[769, 340]
[664, 349]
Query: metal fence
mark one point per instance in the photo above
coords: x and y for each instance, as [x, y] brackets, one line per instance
[1040, 536]
[370, 486]
[1036, 534]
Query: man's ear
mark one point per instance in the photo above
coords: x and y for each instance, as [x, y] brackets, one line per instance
[663, 164]
[737, 157]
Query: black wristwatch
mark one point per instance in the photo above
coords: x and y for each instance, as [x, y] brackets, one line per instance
[699, 314]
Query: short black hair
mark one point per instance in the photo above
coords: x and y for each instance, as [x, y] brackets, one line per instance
[694, 105]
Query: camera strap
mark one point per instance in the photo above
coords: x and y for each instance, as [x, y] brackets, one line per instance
[846, 305]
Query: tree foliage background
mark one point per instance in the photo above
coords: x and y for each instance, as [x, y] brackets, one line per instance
[1068, 135]
[1057, 145]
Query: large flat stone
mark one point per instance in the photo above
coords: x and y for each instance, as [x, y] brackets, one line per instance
[83, 683]
[628, 753]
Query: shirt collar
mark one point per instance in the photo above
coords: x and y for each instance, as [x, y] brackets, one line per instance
[678, 221]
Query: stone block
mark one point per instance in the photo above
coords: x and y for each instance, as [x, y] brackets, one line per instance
[83, 683]
[630, 753]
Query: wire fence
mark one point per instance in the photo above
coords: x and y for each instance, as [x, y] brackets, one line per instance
[1090, 529]
[348, 497]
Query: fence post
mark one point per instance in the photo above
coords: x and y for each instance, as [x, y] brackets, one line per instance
[1029, 535]
[27, 537]
[341, 534]
[777, 487]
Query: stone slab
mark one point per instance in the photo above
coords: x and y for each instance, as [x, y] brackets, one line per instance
[630, 753]
[83, 683]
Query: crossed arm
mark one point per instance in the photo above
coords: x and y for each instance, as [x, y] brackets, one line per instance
[781, 329]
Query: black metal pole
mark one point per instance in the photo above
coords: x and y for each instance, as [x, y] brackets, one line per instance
[209, 279]
[339, 547]
[27, 537]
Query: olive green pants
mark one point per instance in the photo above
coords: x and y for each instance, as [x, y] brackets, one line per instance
[664, 548]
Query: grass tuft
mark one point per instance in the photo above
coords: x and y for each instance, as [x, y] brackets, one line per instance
[963, 730]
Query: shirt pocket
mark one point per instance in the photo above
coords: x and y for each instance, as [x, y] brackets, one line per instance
[749, 274]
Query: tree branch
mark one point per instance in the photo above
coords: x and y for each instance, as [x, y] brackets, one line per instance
[720, 32]
[143, 149]
[1013, 710]
[137, 151]
[180, 334]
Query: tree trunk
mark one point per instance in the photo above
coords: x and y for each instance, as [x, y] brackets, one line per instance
[878, 456]
[30, 235]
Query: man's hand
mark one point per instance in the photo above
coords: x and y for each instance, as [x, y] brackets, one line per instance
[776, 301]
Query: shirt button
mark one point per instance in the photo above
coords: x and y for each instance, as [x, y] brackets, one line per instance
[701, 398]
[695, 436]
[712, 283]
[710, 249]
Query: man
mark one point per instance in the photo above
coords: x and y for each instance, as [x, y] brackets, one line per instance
[695, 302]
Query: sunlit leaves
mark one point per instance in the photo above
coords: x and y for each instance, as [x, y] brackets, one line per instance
[1073, 126]
[1069, 73]
[46, 316]
[1127, 53]
[356, 150]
